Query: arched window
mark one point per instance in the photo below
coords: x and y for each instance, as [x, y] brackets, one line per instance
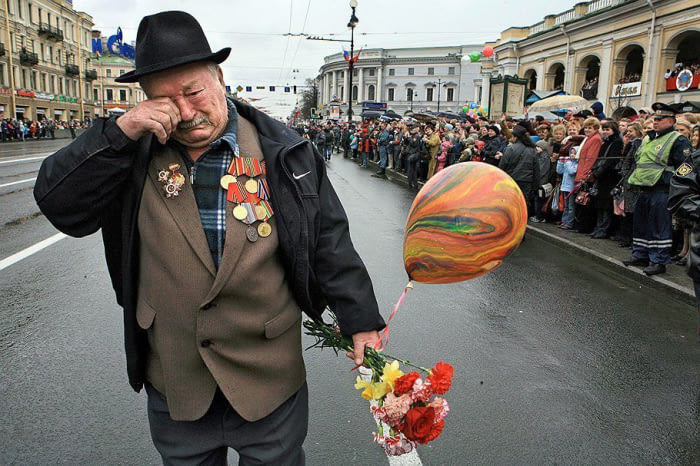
[354, 93]
[370, 92]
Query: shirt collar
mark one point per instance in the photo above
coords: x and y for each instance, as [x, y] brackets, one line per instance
[230, 134]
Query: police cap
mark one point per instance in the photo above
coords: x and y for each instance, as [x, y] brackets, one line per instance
[662, 110]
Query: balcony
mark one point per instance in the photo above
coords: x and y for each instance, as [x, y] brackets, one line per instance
[50, 32]
[90, 75]
[72, 70]
[2, 50]
[28, 58]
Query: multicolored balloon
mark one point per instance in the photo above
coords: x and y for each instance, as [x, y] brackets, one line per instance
[463, 223]
[487, 52]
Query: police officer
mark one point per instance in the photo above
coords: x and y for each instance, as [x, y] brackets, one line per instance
[661, 153]
[684, 202]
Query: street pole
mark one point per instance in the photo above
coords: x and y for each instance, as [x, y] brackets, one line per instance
[13, 108]
[438, 86]
[351, 24]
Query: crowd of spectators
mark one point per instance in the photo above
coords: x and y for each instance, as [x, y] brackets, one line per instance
[22, 130]
[693, 67]
[550, 160]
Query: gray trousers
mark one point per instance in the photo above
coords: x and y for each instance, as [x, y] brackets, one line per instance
[276, 439]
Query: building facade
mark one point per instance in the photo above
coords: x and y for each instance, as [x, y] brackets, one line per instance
[406, 79]
[618, 52]
[45, 60]
[109, 96]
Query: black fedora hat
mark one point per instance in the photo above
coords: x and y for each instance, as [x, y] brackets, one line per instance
[169, 39]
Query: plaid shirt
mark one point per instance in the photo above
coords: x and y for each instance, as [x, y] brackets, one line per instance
[206, 173]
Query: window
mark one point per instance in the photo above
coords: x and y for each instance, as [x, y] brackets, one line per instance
[411, 71]
[43, 82]
[429, 94]
[390, 94]
[94, 94]
[52, 84]
[451, 70]
[354, 72]
[60, 85]
[354, 93]
[450, 94]
[109, 72]
[371, 72]
[34, 80]
[370, 92]
[431, 71]
[121, 72]
[50, 53]
[122, 95]
[2, 74]
[409, 94]
[25, 81]
[109, 94]
[392, 72]
[20, 10]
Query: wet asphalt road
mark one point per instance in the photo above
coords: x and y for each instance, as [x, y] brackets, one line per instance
[558, 359]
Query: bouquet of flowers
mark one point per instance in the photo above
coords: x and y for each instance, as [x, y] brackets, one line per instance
[406, 406]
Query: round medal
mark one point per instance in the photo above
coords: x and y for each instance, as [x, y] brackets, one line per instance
[251, 186]
[227, 180]
[260, 212]
[252, 234]
[264, 229]
[240, 212]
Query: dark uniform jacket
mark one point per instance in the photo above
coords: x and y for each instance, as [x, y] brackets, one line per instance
[684, 202]
[96, 183]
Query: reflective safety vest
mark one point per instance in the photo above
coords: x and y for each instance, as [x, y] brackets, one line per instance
[652, 159]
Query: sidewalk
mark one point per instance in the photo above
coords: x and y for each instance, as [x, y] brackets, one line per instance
[674, 280]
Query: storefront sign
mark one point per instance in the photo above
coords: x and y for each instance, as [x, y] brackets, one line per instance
[58, 112]
[20, 109]
[41, 111]
[627, 89]
[43, 96]
[25, 93]
[374, 105]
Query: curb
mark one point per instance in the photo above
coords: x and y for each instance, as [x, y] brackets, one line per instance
[682, 293]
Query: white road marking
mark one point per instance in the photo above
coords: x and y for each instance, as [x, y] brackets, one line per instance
[25, 159]
[18, 182]
[14, 258]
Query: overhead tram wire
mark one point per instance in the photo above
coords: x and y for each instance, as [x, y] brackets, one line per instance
[289, 31]
[303, 27]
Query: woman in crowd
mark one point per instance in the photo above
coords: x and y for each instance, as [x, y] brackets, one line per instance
[494, 145]
[632, 140]
[606, 177]
[519, 160]
[587, 155]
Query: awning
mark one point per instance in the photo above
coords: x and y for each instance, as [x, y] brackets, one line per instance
[20, 109]
[40, 111]
[58, 112]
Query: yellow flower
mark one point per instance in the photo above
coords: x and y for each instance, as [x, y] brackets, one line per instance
[372, 391]
[391, 373]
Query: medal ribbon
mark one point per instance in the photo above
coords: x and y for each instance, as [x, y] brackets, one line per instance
[263, 190]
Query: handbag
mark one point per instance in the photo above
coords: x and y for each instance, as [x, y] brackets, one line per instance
[583, 196]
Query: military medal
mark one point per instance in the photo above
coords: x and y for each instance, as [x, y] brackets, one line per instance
[250, 196]
[240, 212]
[251, 186]
[227, 180]
[251, 233]
[264, 229]
[172, 180]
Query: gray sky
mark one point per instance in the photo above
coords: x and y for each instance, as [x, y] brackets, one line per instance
[263, 56]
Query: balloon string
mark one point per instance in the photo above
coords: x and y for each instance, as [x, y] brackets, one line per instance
[384, 337]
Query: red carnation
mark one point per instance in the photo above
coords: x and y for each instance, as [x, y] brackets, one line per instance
[441, 380]
[404, 384]
[420, 426]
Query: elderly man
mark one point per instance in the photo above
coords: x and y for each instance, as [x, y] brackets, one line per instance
[661, 153]
[220, 227]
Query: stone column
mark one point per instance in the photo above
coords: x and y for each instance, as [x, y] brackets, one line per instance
[485, 89]
[360, 85]
[540, 74]
[378, 94]
[605, 75]
[334, 83]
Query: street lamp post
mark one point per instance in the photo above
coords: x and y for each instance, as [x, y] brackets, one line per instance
[412, 95]
[439, 82]
[351, 24]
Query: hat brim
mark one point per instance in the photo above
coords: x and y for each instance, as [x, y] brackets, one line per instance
[134, 75]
